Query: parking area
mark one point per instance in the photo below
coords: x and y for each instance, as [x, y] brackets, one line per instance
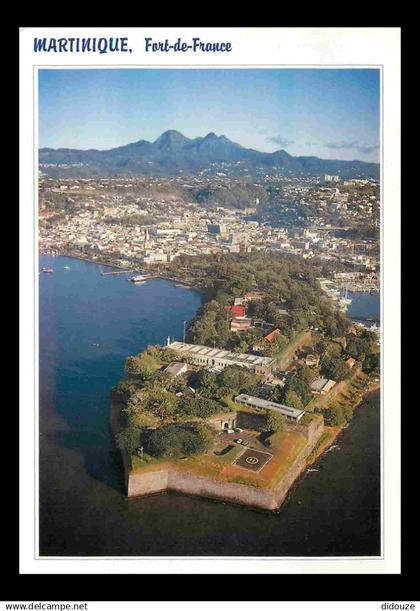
[253, 460]
[250, 437]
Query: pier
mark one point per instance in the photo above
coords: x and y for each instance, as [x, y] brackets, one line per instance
[125, 271]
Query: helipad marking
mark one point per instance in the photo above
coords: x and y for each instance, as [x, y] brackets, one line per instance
[252, 460]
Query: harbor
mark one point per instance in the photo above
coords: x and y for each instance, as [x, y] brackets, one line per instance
[363, 305]
[338, 295]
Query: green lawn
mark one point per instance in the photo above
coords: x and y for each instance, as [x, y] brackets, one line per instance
[232, 454]
[285, 355]
[285, 448]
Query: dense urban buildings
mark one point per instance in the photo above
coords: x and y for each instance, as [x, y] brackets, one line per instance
[139, 223]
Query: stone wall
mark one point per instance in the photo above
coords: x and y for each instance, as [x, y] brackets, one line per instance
[169, 478]
[217, 421]
[246, 420]
[117, 422]
[312, 431]
[229, 491]
[148, 482]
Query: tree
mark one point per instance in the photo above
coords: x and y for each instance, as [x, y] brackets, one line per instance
[167, 355]
[175, 440]
[300, 386]
[275, 421]
[129, 439]
[336, 369]
[306, 373]
[276, 346]
[135, 405]
[360, 346]
[207, 384]
[197, 439]
[201, 407]
[241, 345]
[141, 366]
[165, 441]
[340, 371]
[236, 379]
[292, 399]
[207, 407]
[320, 346]
[162, 404]
[348, 411]
[334, 416]
[371, 363]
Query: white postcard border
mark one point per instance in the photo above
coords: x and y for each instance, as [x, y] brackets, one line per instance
[292, 47]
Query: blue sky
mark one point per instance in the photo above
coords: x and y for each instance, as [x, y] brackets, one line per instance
[330, 113]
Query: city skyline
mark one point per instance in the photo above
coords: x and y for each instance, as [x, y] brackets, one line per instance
[328, 113]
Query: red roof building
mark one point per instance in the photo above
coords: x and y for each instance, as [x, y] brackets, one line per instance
[238, 311]
[273, 335]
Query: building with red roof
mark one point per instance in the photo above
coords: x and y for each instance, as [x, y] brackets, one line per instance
[238, 311]
[273, 335]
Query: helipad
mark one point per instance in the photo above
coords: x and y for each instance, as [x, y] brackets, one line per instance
[254, 460]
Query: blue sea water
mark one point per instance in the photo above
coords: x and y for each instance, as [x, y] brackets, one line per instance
[364, 305]
[89, 324]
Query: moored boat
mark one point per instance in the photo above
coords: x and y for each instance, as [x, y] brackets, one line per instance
[138, 279]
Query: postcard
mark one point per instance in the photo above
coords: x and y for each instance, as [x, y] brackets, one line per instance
[210, 305]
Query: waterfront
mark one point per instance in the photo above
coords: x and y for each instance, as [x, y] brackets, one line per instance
[364, 306]
[88, 325]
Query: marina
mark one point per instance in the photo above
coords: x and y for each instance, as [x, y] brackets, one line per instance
[361, 306]
[339, 296]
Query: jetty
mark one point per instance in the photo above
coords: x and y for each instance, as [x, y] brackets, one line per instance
[125, 271]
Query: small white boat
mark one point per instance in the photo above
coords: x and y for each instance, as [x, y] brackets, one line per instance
[66, 267]
[138, 279]
[313, 470]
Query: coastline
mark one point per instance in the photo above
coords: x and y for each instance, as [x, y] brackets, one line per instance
[172, 477]
[335, 432]
[84, 258]
[168, 478]
[92, 480]
[128, 269]
[319, 452]
[314, 453]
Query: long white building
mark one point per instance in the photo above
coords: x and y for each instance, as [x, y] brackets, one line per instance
[289, 412]
[216, 357]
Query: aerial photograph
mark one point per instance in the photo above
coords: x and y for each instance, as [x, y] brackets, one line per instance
[209, 285]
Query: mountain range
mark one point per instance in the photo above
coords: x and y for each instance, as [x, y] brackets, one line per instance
[173, 154]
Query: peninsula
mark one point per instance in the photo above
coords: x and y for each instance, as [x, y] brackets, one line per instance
[267, 376]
